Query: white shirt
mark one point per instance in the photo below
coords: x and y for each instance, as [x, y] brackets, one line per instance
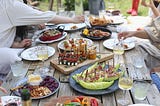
[15, 13]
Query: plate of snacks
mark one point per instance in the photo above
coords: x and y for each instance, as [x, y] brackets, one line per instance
[70, 44]
[31, 53]
[95, 79]
[73, 27]
[128, 43]
[96, 33]
[51, 35]
[96, 21]
[11, 101]
[39, 86]
[74, 101]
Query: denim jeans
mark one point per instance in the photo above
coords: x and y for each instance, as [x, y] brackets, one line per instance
[95, 6]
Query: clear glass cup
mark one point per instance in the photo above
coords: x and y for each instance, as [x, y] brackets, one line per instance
[42, 55]
[140, 89]
[125, 83]
[19, 69]
[102, 13]
[138, 60]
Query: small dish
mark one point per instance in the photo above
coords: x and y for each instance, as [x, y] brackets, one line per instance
[6, 100]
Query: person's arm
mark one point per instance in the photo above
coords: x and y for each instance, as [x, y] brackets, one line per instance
[60, 19]
[140, 34]
[3, 89]
[154, 9]
[152, 6]
[30, 16]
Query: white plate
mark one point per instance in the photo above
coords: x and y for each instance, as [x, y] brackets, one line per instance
[51, 41]
[117, 20]
[61, 44]
[11, 99]
[30, 53]
[140, 105]
[68, 26]
[111, 42]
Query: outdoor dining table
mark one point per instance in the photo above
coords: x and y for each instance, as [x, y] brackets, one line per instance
[153, 96]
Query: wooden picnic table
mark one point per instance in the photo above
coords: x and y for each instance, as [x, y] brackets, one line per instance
[153, 96]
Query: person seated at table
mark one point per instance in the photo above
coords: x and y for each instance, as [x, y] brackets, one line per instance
[15, 13]
[150, 50]
[150, 5]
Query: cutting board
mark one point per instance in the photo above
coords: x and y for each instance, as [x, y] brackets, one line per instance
[68, 69]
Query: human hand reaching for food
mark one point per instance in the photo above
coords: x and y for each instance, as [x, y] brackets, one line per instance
[125, 34]
[79, 19]
[22, 44]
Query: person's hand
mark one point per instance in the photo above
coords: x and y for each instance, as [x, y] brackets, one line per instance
[155, 69]
[22, 44]
[25, 43]
[125, 34]
[78, 19]
[149, 4]
[3, 90]
[41, 26]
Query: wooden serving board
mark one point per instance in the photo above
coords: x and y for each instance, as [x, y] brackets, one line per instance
[62, 99]
[68, 69]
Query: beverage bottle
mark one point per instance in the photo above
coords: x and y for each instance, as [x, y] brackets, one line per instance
[79, 7]
[25, 96]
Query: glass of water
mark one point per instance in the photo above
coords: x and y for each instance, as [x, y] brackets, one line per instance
[140, 89]
[138, 60]
[19, 69]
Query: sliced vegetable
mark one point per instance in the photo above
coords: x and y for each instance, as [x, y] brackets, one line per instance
[95, 85]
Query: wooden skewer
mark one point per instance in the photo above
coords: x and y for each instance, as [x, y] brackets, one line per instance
[13, 89]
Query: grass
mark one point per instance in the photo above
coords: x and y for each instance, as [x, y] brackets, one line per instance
[122, 5]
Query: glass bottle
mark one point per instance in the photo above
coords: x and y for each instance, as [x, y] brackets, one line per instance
[79, 7]
[26, 100]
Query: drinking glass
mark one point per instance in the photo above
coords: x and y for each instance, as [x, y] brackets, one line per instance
[118, 49]
[140, 89]
[102, 13]
[42, 54]
[125, 83]
[19, 69]
[138, 60]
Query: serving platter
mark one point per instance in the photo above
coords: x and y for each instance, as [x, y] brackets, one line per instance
[69, 69]
[61, 44]
[89, 36]
[30, 53]
[80, 89]
[110, 43]
[23, 82]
